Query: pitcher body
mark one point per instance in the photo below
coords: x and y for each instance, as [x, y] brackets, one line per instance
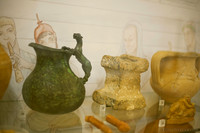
[52, 87]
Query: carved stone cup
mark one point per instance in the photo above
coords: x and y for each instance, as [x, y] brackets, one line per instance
[175, 74]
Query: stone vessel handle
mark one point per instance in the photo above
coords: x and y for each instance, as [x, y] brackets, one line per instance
[77, 52]
[197, 63]
[155, 65]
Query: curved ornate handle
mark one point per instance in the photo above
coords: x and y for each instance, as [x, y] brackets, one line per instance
[86, 65]
[77, 52]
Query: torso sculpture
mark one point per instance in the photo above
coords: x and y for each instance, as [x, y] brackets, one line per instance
[175, 74]
[181, 112]
[122, 85]
[52, 87]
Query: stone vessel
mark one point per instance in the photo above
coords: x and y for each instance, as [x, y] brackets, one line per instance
[5, 71]
[175, 74]
[122, 84]
[52, 87]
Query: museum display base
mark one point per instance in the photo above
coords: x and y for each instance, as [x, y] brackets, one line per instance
[139, 120]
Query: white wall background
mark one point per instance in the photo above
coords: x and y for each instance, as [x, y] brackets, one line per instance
[101, 23]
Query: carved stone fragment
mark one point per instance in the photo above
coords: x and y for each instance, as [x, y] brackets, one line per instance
[181, 112]
[122, 84]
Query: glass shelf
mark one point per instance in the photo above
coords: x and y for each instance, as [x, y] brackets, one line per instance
[17, 114]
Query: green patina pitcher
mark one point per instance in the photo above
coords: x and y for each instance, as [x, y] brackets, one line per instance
[52, 87]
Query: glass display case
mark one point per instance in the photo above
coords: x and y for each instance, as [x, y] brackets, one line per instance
[142, 57]
[151, 119]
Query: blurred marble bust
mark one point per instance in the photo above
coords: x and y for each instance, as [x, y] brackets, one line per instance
[130, 38]
[189, 36]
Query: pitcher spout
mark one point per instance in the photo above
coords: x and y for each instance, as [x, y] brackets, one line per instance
[39, 46]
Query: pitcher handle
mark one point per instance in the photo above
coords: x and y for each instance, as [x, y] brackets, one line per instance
[77, 52]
